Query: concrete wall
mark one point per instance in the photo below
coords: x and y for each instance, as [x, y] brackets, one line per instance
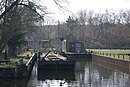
[75, 55]
[122, 65]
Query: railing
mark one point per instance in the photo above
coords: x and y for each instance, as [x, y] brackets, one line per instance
[31, 63]
[30, 59]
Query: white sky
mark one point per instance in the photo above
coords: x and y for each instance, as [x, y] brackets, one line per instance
[76, 5]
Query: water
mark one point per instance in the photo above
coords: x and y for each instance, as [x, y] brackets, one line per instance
[87, 74]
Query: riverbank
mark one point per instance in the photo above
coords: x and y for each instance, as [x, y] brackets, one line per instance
[120, 64]
[10, 62]
[19, 70]
[73, 56]
[112, 53]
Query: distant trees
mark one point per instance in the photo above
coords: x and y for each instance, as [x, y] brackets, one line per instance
[71, 23]
[96, 30]
[103, 30]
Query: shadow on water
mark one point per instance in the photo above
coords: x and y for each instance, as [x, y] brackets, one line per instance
[85, 74]
[56, 74]
[71, 77]
[67, 74]
[53, 78]
[13, 82]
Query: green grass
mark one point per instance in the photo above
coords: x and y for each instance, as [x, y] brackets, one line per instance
[113, 53]
[4, 65]
[23, 55]
[13, 60]
[12, 63]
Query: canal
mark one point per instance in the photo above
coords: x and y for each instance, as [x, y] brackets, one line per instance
[85, 74]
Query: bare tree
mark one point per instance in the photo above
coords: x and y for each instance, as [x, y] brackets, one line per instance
[8, 30]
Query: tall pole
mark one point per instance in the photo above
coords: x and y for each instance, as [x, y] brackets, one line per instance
[57, 48]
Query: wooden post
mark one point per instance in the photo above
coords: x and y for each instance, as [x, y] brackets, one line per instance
[118, 55]
[106, 54]
[113, 55]
[110, 54]
[5, 54]
[123, 56]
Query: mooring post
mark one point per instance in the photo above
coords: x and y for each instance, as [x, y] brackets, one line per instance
[39, 55]
[123, 56]
[110, 54]
[113, 55]
[118, 55]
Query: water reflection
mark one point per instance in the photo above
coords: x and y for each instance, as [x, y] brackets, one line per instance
[89, 74]
[67, 75]
[98, 76]
[86, 74]
[13, 82]
[108, 77]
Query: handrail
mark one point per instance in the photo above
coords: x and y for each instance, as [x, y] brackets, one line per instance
[30, 59]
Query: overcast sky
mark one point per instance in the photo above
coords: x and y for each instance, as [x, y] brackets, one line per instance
[76, 5]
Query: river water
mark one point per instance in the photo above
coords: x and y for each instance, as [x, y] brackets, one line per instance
[86, 74]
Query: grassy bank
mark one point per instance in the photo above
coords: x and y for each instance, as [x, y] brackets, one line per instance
[16, 59]
[24, 54]
[113, 53]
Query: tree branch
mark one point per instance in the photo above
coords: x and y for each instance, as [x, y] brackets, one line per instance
[9, 8]
[32, 10]
[61, 7]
